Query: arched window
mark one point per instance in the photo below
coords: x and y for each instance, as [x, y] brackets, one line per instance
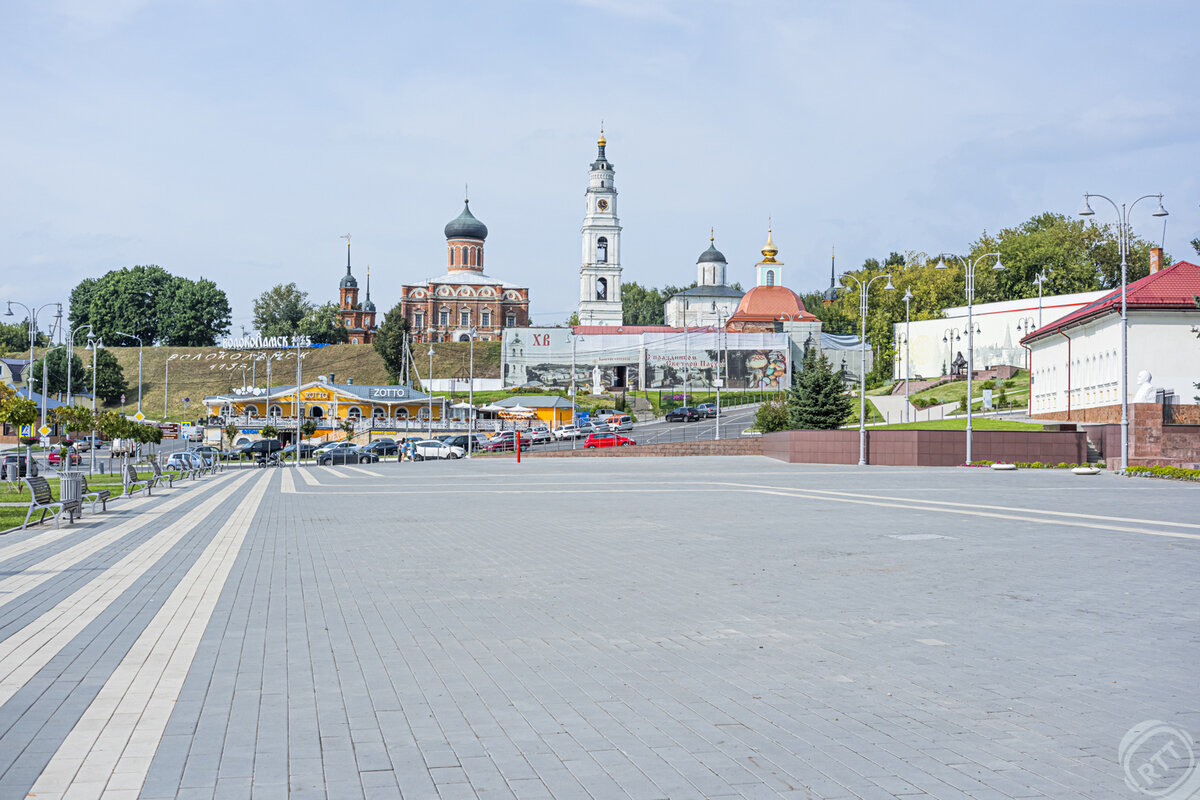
[379, 412]
[602, 249]
[401, 413]
[770, 277]
[354, 412]
[601, 288]
[316, 412]
[464, 337]
[276, 411]
[481, 258]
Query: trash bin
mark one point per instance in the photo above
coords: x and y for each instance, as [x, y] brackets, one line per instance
[70, 486]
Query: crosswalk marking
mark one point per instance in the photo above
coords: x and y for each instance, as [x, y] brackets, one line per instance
[307, 476]
[29, 649]
[108, 753]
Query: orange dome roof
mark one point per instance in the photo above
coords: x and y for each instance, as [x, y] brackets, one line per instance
[763, 303]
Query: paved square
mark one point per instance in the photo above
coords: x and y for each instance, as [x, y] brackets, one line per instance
[636, 627]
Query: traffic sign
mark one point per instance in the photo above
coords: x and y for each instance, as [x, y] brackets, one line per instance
[44, 430]
[26, 431]
[44, 441]
[139, 416]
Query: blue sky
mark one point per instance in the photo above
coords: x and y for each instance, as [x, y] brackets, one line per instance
[238, 140]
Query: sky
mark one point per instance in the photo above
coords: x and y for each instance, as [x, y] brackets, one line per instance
[239, 139]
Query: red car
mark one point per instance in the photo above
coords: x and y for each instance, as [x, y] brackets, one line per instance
[73, 458]
[607, 439]
[505, 440]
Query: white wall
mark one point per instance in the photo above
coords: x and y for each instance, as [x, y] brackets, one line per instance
[1160, 342]
[996, 343]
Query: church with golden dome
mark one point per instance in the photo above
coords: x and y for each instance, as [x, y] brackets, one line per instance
[771, 306]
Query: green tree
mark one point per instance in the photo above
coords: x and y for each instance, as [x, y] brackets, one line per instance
[279, 310]
[347, 427]
[818, 400]
[110, 378]
[323, 324]
[270, 432]
[1196, 245]
[199, 313]
[771, 416]
[56, 372]
[641, 305]
[231, 432]
[308, 428]
[572, 319]
[389, 342]
[150, 303]
[14, 337]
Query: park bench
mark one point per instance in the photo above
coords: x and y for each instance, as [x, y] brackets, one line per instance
[133, 484]
[160, 476]
[42, 500]
[100, 496]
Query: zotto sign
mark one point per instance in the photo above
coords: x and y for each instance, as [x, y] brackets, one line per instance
[396, 391]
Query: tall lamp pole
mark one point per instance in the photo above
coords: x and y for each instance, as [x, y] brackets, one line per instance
[71, 355]
[139, 341]
[430, 390]
[574, 434]
[471, 395]
[1123, 213]
[94, 345]
[33, 326]
[1040, 279]
[864, 293]
[908, 296]
[720, 377]
[970, 273]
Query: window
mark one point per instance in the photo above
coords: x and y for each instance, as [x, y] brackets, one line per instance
[379, 412]
[485, 319]
[481, 258]
[443, 318]
[354, 412]
[276, 411]
[770, 277]
[418, 320]
[464, 318]
[401, 413]
[510, 320]
[601, 288]
[602, 249]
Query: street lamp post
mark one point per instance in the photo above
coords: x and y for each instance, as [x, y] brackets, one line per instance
[949, 337]
[297, 409]
[33, 315]
[471, 394]
[1025, 327]
[45, 377]
[139, 341]
[908, 296]
[574, 434]
[720, 377]
[970, 273]
[1123, 213]
[71, 356]
[430, 390]
[1040, 279]
[94, 345]
[864, 293]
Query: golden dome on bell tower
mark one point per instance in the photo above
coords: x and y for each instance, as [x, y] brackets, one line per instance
[769, 250]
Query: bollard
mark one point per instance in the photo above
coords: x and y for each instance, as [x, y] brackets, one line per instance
[518, 443]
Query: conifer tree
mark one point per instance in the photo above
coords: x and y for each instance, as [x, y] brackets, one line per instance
[818, 400]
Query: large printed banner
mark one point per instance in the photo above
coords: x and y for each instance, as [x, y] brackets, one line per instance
[652, 360]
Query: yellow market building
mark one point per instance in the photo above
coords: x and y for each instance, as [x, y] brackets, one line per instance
[326, 403]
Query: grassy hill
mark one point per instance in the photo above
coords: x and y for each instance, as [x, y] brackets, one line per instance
[196, 372]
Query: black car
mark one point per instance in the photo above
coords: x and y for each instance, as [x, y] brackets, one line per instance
[254, 450]
[15, 464]
[346, 455]
[382, 447]
[306, 451]
[460, 440]
[684, 414]
[708, 410]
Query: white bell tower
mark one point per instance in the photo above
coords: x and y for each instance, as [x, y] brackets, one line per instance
[600, 275]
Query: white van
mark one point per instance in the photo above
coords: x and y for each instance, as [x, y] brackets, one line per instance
[619, 422]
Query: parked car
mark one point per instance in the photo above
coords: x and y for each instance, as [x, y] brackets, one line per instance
[262, 447]
[73, 458]
[306, 451]
[15, 464]
[707, 410]
[382, 447]
[212, 453]
[345, 455]
[539, 434]
[330, 446]
[506, 441]
[567, 431]
[619, 422]
[608, 440]
[432, 448]
[684, 414]
[479, 440]
[601, 413]
[586, 429]
[180, 460]
[204, 457]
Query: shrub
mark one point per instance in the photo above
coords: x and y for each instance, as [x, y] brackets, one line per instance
[1161, 471]
[771, 417]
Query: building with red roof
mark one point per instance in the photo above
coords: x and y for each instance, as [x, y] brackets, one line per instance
[1076, 359]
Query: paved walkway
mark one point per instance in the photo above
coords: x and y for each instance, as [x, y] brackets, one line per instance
[600, 628]
[892, 408]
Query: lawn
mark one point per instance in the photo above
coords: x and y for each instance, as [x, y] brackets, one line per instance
[1016, 391]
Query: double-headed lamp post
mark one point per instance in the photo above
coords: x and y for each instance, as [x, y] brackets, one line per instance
[908, 296]
[139, 341]
[33, 326]
[863, 296]
[949, 337]
[575, 433]
[94, 345]
[1025, 327]
[429, 391]
[471, 394]
[1040, 279]
[1123, 213]
[970, 266]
